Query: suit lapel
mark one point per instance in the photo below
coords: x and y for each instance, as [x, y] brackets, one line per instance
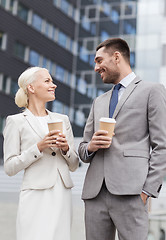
[104, 105]
[130, 88]
[34, 124]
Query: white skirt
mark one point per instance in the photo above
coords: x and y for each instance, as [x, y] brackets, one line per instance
[45, 214]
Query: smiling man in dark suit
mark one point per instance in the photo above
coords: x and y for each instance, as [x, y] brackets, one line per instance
[129, 168]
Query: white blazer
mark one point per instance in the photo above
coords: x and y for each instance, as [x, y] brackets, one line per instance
[21, 135]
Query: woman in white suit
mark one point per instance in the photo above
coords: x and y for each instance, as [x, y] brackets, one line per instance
[44, 211]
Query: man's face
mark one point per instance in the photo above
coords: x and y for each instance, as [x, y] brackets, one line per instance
[105, 65]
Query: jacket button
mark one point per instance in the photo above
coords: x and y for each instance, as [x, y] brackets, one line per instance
[53, 153]
[35, 156]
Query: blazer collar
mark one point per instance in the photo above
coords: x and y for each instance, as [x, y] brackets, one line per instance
[34, 124]
[130, 88]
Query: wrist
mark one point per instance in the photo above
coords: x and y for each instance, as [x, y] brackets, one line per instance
[64, 151]
[39, 147]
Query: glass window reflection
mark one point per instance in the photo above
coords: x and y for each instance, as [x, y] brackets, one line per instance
[64, 6]
[115, 13]
[57, 106]
[37, 22]
[132, 59]
[60, 73]
[22, 12]
[79, 118]
[81, 85]
[14, 88]
[128, 9]
[19, 50]
[62, 39]
[34, 58]
[129, 26]
[1, 37]
[104, 35]
[3, 3]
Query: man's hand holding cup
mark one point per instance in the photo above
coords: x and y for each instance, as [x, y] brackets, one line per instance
[103, 137]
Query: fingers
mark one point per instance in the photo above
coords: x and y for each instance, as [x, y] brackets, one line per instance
[101, 132]
[61, 140]
[53, 132]
[101, 138]
[58, 141]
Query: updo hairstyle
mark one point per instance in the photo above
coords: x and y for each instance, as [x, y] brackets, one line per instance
[27, 77]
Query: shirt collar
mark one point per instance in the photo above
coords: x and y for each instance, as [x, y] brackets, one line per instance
[128, 79]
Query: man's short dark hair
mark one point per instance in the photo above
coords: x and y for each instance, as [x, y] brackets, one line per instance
[116, 44]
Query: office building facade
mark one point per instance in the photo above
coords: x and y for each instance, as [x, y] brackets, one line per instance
[62, 35]
[99, 20]
[35, 33]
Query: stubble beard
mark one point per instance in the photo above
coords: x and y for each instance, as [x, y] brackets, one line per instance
[112, 78]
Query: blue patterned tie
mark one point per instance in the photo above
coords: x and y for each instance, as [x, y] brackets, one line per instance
[114, 99]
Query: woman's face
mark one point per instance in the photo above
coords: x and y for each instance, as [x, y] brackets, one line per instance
[43, 87]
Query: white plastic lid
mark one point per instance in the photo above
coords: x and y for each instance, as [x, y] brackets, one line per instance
[108, 120]
[54, 121]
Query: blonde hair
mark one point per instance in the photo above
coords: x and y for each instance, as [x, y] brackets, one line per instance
[27, 77]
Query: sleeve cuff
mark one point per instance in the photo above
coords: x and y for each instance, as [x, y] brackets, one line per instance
[148, 194]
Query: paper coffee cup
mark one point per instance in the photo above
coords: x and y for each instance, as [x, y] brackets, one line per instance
[56, 125]
[107, 124]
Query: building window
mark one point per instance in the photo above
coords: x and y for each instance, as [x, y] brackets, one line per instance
[2, 124]
[14, 88]
[62, 39]
[4, 83]
[128, 9]
[132, 59]
[34, 58]
[3, 3]
[115, 13]
[104, 35]
[66, 110]
[60, 73]
[90, 45]
[93, 28]
[48, 30]
[83, 54]
[22, 12]
[69, 79]
[129, 26]
[85, 23]
[81, 85]
[106, 9]
[91, 60]
[54, 34]
[37, 22]
[19, 50]
[79, 118]
[92, 13]
[45, 62]
[11, 5]
[65, 6]
[3, 40]
[57, 106]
